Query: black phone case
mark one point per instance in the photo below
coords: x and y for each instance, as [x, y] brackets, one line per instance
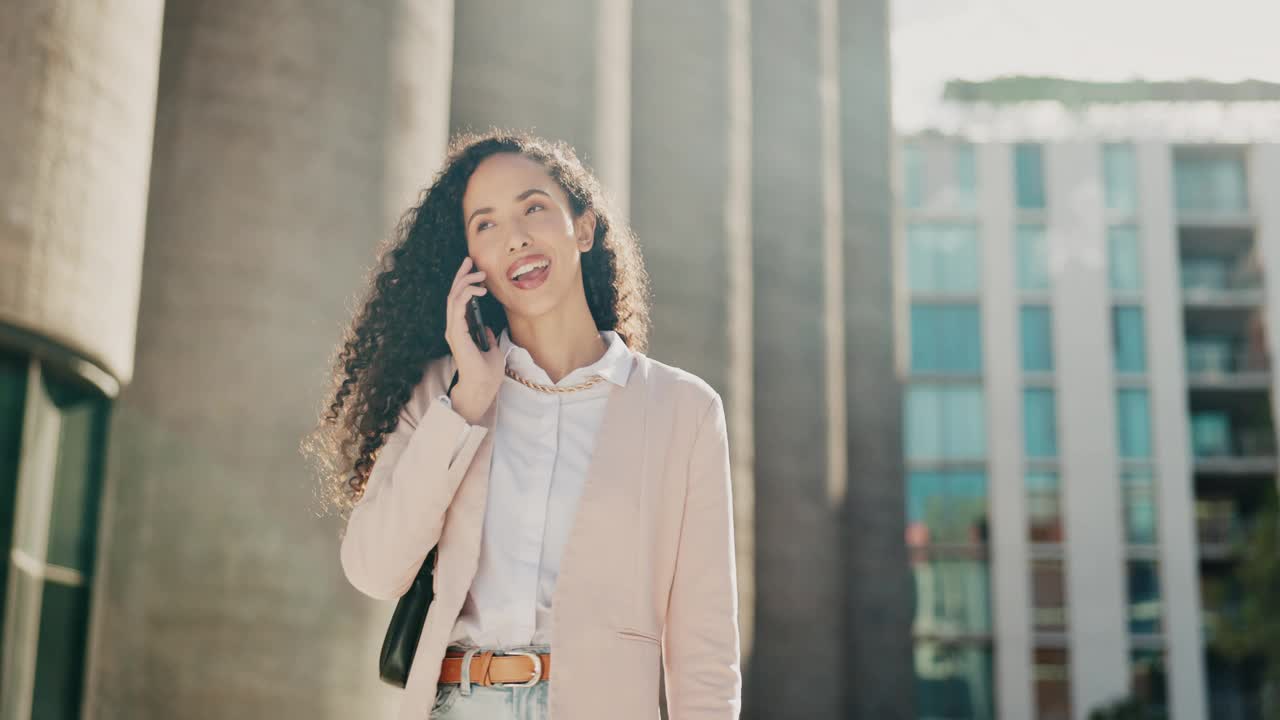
[475, 324]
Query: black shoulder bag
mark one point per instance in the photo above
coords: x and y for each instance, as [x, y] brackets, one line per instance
[405, 628]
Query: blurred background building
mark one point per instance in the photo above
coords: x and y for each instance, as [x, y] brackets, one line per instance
[190, 196]
[1089, 282]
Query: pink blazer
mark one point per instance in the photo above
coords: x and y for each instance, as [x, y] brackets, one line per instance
[647, 579]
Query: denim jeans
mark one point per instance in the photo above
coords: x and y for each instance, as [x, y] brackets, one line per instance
[468, 701]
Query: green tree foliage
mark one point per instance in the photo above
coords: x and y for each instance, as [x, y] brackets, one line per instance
[1253, 629]
[1126, 709]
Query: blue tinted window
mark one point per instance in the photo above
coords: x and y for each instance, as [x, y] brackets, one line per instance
[1133, 422]
[1039, 423]
[1128, 338]
[1120, 175]
[953, 596]
[65, 468]
[1028, 176]
[945, 338]
[1210, 434]
[1124, 265]
[1139, 506]
[942, 257]
[1210, 182]
[1033, 257]
[946, 507]
[954, 681]
[1144, 597]
[1036, 335]
[1044, 507]
[944, 421]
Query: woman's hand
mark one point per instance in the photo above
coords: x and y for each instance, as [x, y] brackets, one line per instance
[479, 373]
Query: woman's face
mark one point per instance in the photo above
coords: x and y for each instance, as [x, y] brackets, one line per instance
[521, 232]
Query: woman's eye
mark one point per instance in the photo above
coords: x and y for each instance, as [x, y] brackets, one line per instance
[533, 207]
[481, 225]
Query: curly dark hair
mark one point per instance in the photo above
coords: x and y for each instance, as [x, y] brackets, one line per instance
[391, 341]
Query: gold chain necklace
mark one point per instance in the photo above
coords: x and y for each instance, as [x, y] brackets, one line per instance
[553, 388]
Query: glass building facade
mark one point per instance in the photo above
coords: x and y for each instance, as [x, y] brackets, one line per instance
[1205, 223]
[945, 442]
[53, 428]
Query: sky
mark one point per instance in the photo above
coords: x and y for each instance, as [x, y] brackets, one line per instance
[936, 40]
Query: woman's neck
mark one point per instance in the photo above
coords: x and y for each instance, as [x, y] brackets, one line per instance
[559, 342]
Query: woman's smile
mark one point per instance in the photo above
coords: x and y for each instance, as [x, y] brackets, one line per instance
[530, 271]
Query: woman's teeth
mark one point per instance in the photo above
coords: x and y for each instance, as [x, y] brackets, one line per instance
[528, 267]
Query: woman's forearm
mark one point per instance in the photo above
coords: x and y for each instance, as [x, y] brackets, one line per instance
[400, 516]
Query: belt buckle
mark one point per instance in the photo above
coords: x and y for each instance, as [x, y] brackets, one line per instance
[537, 669]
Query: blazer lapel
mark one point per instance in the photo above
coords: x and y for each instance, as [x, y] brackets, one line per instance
[613, 471]
[619, 449]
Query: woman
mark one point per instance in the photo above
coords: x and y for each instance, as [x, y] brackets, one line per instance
[578, 492]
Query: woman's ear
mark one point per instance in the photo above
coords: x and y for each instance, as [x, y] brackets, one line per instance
[585, 228]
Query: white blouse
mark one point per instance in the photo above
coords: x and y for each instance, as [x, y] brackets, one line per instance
[542, 443]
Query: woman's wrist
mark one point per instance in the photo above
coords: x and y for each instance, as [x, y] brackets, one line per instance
[471, 402]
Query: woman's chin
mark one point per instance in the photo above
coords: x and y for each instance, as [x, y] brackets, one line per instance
[526, 313]
[528, 308]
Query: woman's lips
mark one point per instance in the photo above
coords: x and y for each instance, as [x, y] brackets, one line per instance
[533, 279]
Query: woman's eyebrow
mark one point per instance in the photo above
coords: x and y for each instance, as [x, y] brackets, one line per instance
[519, 198]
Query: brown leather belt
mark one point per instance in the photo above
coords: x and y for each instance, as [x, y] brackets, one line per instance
[517, 668]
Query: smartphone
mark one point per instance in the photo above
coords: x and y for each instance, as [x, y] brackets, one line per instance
[475, 324]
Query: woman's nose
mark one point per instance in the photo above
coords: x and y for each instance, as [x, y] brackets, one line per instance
[518, 240]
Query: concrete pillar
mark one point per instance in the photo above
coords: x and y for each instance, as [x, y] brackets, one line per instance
[1175, 482]
[865, 435]
[560, 69]
[420, 70]
[1006, 485]
[1086, 398]
[79, 88]
[77, 101]
[691, 200]
[221, 590]
[801, 553]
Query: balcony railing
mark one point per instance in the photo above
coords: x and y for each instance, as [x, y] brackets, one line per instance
[1217, 358]
[1220, 283]
[1231, 442]
[1217, 277]
[1219, 531]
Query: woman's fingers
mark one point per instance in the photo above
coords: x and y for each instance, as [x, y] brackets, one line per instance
[467, 279]
[457, 308]
[462, 268]
[462, 279]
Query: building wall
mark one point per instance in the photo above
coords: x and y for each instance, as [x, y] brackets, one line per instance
[1087, 422]
[1010, 590]
[1170, 418]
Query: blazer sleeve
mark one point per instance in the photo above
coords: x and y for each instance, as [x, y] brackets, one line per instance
[701, 652]
[400, 516]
